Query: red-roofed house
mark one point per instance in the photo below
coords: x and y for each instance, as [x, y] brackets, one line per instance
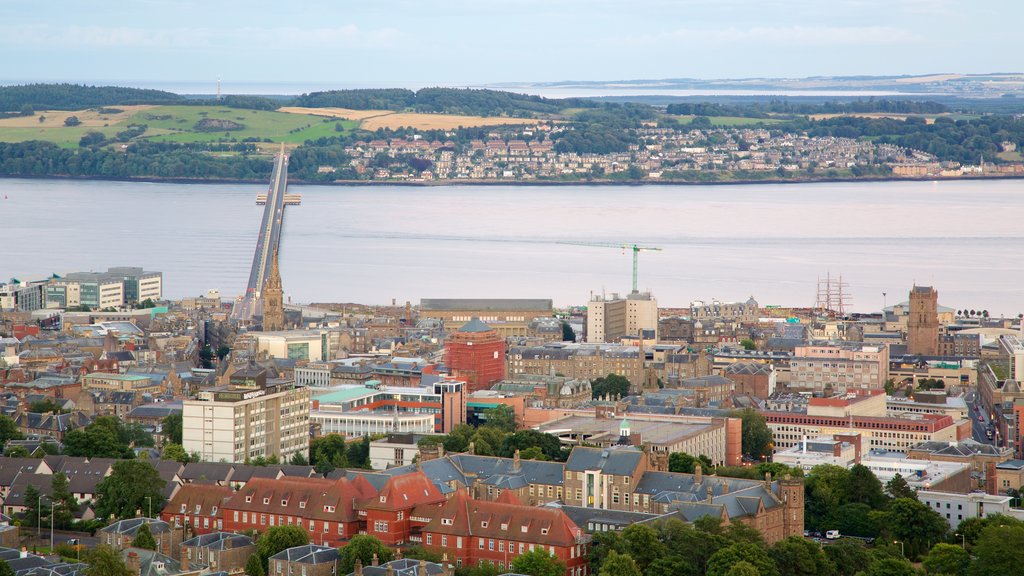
[472, 532]
[388, 514]
[197, 506]
[325, 508]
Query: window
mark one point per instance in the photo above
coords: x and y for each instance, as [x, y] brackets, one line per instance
[430, 539]
[458, 542]
[284, 502]
[483, 524]
[480, 543]
[266, 501]
[490, 545]
[501, 545]
[400, 516]
[444, 541]
[236, 516]
[380, 526]
[302, 504]
[247, 499]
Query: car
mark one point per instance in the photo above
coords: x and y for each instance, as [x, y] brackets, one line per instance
[832, 534]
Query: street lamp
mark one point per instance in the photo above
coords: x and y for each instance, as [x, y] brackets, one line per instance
[39, 518]
[51, 525]
[149, 501]
[963, 540]
[902, 551]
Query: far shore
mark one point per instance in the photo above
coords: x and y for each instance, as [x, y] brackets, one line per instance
[470, 182]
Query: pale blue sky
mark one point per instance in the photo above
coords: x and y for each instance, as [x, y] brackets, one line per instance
[374, 42]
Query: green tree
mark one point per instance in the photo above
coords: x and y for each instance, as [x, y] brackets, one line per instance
[16, 452]
[222, 352]
[891, 567]
[144, 538]
[64, 503]
[175, 452]
[825, 490]
[278, 538]
[299, 459]
[757, 437]
[912, 523]
[643, 545]
[72, 121]
[362, 546]
[743, 568]
[147, 303]
[568, 334]
[358, 453]
[748, 344]
[254, 566]
[722, 561]
[132, 485]
[5, 568]
[105, 437]
[328, 452]
[106, 561]
[947, 559]
[171, 427]
[206, 357]
[525, 439]
[616, 564]
[999, 551]
[501, 417]
[796, 556]
[863, 487]
[897, 487]
[420, 553]
[854, 520]
[685, 463]
[45, 405]
[613, 384]
[36, 512]
[533, 453]
[848, 556]
[9, 430]
[538, 562]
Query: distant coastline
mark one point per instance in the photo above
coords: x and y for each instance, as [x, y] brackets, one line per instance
[533, 183]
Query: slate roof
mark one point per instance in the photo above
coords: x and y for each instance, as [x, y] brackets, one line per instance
[494, 304]
[219, 541]
[584, 517]
[308, 554]
[130, 527]
[614, 461]
[403, 567]
[475, 325]
[208, 472]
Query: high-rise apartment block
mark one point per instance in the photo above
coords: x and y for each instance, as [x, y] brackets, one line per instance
[923, 321]
[97, 290]
[611, 319]
[252, 416]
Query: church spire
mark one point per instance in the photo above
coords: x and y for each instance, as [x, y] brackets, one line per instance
[273, 299]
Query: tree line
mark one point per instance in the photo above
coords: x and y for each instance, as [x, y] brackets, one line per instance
[791, 107]
[78, 97]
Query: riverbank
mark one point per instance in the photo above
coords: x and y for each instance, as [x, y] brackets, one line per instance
[531, 183]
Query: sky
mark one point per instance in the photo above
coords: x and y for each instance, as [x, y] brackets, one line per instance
[472, 42]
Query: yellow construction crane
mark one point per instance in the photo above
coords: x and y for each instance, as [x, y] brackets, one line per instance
[635, 249]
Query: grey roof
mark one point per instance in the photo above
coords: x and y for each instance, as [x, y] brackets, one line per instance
[219, 541]
[475, 325]
[211, 472]
[585, 517]
[130, 527]
[308, 554]
[496, 304]
[754, 368]
[403, 567]
[617, 461]
[1011, 465]
[156, 410]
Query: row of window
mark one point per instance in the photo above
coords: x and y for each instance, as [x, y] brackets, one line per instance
[291, 521]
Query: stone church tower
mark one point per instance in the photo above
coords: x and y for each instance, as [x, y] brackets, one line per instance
[923, 321]
[273, 299]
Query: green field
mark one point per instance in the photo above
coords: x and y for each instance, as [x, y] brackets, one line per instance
[729, 121]
[178, 124]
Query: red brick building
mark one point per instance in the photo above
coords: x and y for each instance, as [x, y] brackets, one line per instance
[472, 532]
[389, 514]
[476, 354]
[323, 507]
[197, 506]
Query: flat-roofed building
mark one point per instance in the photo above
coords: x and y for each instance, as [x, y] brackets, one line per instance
[920, 474]
[612, 319]
[508, 316]
[836, 450]
[716, 438]
[581, 361]
[839, 366]
[251, 417]
[956, 507]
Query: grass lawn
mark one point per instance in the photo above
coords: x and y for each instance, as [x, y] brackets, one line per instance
[1010, 156]
[174, 124]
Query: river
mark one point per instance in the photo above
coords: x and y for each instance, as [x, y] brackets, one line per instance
[373, 243]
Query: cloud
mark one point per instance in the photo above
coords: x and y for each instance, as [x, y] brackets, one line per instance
[283, 38]
[790, 36]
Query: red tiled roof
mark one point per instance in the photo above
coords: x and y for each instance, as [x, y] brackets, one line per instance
[464, 516]
[311, 498]
[206, 496]
[405, 492]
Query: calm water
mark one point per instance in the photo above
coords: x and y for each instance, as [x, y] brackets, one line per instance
[371, 244]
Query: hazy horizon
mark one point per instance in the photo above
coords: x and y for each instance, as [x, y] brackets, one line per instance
[463, 43]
